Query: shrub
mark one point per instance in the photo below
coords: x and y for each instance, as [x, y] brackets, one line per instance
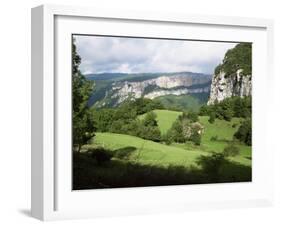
[214, 138]
[212, 118]
[211, 165]
[244, 133]
[184, 130]
[151, 133]
[231, 150]
[124, 153]
[196, 138]
[100, 154]
[150, 119]
[166, 139]
[192, 116]
[228, 108]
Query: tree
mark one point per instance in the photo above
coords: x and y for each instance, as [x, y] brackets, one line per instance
[244, 133]
[150, 119]
[175, 133]
[151, 133]
[149, 128]
[196, 138]
[205, 110]
[191, 116]
[103, 119]
[212, 118]
[82, 120]
[239, 57]
[183, 129]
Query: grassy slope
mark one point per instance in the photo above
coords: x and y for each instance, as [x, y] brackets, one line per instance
[165, 119]
[183, 154]
[152, 164]
[224, 131]
[149, 152]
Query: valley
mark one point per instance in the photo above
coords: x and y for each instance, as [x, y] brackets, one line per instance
[134, 129]
[111, 92]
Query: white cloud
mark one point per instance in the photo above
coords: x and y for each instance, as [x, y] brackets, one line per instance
[135, 55]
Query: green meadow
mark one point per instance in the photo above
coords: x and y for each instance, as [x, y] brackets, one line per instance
[149, 152]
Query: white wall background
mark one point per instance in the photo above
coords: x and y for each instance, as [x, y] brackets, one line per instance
[15, 111]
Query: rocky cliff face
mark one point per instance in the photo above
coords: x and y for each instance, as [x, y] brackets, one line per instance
[161, 86]
[224, 86]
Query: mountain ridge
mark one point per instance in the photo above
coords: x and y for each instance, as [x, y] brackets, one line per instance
[114, 88]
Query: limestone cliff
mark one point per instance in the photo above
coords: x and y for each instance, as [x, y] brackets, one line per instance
[160, 86]
[233, 77]
[224, 86]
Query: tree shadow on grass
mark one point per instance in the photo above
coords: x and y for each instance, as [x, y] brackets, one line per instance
[117, 173]
[124, 153]
[219, 169]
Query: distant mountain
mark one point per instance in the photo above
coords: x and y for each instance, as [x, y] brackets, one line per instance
[111, 89]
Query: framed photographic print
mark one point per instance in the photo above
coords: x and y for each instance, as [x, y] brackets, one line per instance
[138, 113]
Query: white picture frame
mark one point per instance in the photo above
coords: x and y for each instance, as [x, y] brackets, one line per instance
[51, 196]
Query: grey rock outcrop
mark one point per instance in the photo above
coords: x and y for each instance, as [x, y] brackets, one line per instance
[224, 86]
[163, 85]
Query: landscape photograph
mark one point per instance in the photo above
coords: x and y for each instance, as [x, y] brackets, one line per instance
[159, 112]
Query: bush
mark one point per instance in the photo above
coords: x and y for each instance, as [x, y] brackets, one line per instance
[192, 116]
[196, 138]
[214, 138]
[244, 133]
[166, 139]
[231, 150]
[212, 118]
[212, 165]
[100, 154]
[124, 153]
[150, 119]
[151, 133]
[228, 108]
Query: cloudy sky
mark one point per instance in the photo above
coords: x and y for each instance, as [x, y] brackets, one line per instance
[136, 55]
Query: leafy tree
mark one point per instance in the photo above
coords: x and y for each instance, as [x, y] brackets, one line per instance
[196, 138]
[239, 57]
[192, 116]
[175, 133]
[116, 126]
[228, 108]
[149, 129]
[244, 133]
[151, 133]
[143, 105]
[150, 119]
[205, 110]
[242, 107]
[82, 120]
[212, 165]
[125, 112]
[212, 118]
[103, 119]
[183, 129]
